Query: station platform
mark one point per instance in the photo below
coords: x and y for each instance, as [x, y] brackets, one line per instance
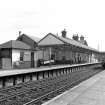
[10, 72]
[88, 92]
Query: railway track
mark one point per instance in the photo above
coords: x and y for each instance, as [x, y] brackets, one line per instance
[35, 93]
[50, 95]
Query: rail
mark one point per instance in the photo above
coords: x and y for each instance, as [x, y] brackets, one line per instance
[63, 88]
[31, 92]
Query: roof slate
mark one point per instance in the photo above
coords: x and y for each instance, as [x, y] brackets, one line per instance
[68, 41]
[36, 39]
[15, 44]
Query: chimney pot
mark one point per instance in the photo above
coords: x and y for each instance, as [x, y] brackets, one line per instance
[64, 33]
[75, 37]
[82, 37]
[19, 33]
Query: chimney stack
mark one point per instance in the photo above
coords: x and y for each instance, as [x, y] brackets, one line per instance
[19, 33]
[64, 33]
[75, 37]
[81, 38]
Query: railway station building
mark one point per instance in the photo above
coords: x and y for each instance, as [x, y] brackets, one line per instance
[41, 56]
[64, 50]
[31, 52]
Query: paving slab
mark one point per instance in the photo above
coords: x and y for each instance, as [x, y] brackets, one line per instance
[88, 92]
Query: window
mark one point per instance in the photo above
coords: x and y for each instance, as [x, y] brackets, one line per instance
[21, 56]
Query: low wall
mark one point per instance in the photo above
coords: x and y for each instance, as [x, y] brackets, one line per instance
[22, 65]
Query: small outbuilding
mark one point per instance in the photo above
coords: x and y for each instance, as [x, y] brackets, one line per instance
[15, 54]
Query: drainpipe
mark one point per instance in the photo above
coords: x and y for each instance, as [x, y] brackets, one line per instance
[50, 54]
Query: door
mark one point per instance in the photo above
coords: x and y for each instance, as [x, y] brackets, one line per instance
[32, 59]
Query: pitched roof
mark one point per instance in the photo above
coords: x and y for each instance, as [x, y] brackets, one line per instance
[15, 44]
[76, 43]
[50, 39]
[65, 41]
[36, 39]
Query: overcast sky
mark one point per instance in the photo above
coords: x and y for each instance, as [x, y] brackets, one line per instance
[39, 17]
